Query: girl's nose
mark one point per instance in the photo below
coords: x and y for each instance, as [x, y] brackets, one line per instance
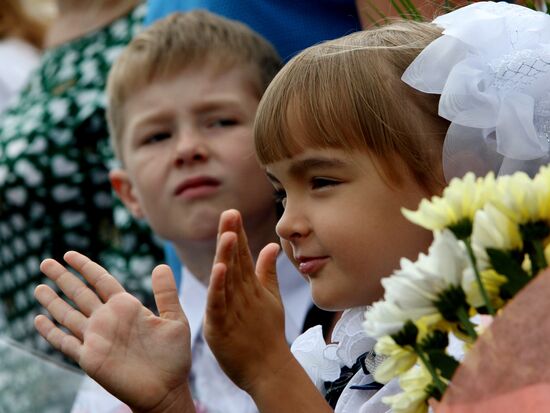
[293, 224]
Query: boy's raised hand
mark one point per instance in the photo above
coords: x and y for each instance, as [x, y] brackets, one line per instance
[140, 358]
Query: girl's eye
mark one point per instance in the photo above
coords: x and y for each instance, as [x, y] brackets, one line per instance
[318, 183]
[223, 123]
[156, 137]
[280, 197]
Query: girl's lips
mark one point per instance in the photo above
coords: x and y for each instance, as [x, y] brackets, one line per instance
[311, 265]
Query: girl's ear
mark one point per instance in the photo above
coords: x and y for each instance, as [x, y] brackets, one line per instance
[122, 184]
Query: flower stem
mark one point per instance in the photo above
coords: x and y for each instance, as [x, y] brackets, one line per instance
[438, 383]
[482, 290]
[466, 323]
[539, 260]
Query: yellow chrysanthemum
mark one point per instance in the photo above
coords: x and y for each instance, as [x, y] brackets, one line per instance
[541, 183]
[460, 200]
[429, 323]
[523, 199]
[492, 282]
[413, 399]
[399, 359]
[493, 229]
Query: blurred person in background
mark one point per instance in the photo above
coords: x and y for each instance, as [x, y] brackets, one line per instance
[21, 38]
[55, 156]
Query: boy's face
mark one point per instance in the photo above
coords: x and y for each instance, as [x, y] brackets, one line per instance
[188, 154]
[343, 225]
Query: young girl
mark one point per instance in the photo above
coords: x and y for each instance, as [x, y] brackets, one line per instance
[347, 144]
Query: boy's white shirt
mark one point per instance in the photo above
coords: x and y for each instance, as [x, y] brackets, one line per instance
[213, 389]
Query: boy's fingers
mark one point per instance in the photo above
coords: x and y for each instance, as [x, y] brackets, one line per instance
[86, 300]
[166, 293]
[104, 283]
[61, 341]
[66, 315]
[266, 269]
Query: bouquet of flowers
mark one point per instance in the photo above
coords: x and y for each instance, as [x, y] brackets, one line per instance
[491, 239]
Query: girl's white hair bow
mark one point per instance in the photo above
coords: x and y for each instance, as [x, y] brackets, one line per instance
[491, 67]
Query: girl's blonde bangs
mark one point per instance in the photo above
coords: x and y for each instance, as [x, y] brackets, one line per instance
[299, 110]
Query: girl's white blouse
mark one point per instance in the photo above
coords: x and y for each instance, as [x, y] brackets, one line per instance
[323, 362]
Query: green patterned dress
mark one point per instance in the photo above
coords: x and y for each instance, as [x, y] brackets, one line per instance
[54, 189]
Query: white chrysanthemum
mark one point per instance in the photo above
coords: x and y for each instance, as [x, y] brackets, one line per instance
[414, 395]
[460, 200]
[398, 359]
[384, 318]
[493, 229]
[417, 285]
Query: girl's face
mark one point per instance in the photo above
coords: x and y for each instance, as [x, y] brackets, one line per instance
[342, 223]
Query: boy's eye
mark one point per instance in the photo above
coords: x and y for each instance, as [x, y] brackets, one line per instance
[280, 197]
[223, 123]
[156, 137]
[318, 183]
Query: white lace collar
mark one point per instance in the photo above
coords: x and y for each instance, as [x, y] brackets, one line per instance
[322, 361]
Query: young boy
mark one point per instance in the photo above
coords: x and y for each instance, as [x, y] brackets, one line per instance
[182, 101]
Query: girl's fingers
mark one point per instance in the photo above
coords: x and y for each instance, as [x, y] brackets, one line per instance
[67, 344]
[86, 300]
[166, 293]
[230, 220]
[244, 257]
[225, 255]
[65, 315]
[216, 305]
[266, 269]
[104, 283]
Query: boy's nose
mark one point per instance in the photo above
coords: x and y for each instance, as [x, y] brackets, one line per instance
[191, 148]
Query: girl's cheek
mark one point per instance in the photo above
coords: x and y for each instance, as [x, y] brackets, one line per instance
[287, 248]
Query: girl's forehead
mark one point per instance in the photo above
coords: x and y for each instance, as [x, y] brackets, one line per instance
[318, 159]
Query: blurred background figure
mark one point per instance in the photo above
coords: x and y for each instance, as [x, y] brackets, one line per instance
[21, 39]
[55, 156]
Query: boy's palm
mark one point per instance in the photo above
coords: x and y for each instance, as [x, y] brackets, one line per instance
[139, 357]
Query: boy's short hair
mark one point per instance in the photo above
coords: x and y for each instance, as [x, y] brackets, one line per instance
[347, 93]
[180, 41]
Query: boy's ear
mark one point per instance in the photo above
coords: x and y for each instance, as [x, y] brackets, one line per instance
[121, 183]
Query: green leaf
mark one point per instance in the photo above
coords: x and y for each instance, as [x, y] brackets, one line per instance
[432, 391]
[531, 231]
[399, 10]
[506, 263]
[445, 364]
[436, 340]
[407, 335]
[377, 11]
[413, 11]
[450, 301]
[462, 229]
